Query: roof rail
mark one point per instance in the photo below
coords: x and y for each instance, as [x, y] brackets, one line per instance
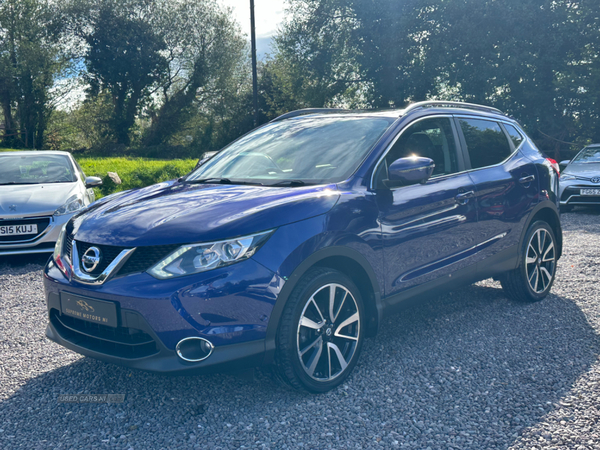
[443, 103]
[301, 112]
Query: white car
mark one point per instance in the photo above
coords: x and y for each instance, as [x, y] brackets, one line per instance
[580, 179]
[39, 192]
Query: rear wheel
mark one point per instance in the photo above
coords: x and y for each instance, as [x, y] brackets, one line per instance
[321, 331]
[533, 279]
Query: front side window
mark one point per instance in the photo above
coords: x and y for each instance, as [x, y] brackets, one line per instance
[81, 172]
[486, 142]
[310, 150]
[431, 138]
[35, 169]
[587, 155]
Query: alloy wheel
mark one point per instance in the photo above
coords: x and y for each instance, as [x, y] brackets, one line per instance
[540, 261]
[328, 332]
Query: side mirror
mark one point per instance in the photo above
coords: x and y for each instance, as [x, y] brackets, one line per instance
[93, 182]
[406, 171]
[205, 157]
[200, 162]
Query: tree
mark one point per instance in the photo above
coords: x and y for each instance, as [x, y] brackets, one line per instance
[205, 54]
[123, 55]
[535, 59]
[30, 60]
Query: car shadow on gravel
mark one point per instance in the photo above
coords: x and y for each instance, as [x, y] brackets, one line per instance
[16, 261]
[468, 370]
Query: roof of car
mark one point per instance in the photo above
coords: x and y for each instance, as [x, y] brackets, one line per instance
[434, 105]
[36, 152]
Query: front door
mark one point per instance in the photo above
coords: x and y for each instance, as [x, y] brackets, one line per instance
[426, 228]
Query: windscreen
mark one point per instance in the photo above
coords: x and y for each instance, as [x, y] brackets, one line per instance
[588, 155]
[311, 150]
[35, 169]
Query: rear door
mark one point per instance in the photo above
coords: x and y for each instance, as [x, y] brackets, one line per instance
[506, 187]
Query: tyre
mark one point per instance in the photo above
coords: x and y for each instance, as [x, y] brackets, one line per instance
[321, 331]
[534, 277]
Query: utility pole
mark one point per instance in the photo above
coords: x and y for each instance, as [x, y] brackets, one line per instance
[254, 80]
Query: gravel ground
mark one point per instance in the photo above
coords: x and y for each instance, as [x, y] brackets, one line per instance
[468, 370]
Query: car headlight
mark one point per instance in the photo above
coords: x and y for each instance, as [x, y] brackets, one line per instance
[567, 177]
[58, 256]
[74, 203]
[196, 258]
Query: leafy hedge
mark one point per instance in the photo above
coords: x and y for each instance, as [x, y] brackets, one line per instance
[134, 172]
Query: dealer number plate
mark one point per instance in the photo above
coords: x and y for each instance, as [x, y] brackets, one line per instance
[595, 192]
[17, 230]
[88, 309]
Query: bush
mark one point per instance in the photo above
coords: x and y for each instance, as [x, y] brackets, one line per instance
[134, 172]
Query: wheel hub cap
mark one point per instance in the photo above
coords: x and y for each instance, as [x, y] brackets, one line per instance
[540, 261]
[328, 332]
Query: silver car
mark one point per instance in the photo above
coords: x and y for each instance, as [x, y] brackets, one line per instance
[580, 179]
[39, 192]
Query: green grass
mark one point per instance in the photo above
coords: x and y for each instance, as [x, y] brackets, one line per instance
[134, 172]
[9, 149]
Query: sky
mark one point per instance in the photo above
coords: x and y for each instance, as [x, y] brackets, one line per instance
[268, 15]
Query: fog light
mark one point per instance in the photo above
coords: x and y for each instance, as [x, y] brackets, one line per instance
[194, 349]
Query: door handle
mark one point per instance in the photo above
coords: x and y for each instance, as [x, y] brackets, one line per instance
[463, 197]
[527, 179]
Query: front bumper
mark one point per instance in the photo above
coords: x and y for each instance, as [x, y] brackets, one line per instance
[570, 193]
[230, 307]
[165, 361]
[43, 243]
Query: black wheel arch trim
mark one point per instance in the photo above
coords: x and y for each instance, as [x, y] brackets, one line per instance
[294, 278]
[553, 209]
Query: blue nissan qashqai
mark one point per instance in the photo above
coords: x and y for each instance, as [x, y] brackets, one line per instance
[289, 245]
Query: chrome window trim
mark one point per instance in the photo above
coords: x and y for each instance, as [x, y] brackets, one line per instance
[113, 267]
[391, 144]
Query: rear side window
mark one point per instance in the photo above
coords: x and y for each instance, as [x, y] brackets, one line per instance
[514, 134]
[486, 142]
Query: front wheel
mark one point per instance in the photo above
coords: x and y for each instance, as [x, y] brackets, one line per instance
[321, 331]
[534, 277]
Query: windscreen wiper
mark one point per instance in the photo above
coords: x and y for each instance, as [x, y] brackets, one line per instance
[290, 183]
[14, 182]
[222, 181]
[210, 180]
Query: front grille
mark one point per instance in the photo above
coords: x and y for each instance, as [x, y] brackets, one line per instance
[108, 254]
[140, 260]
[145, 257]
[41, 222]
[574, 197]
[586, 199]
[122, 342]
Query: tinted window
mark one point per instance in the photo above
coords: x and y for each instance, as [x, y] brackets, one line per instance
[309, 149]
[514, 134]
[486, 142]
[431, 138]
